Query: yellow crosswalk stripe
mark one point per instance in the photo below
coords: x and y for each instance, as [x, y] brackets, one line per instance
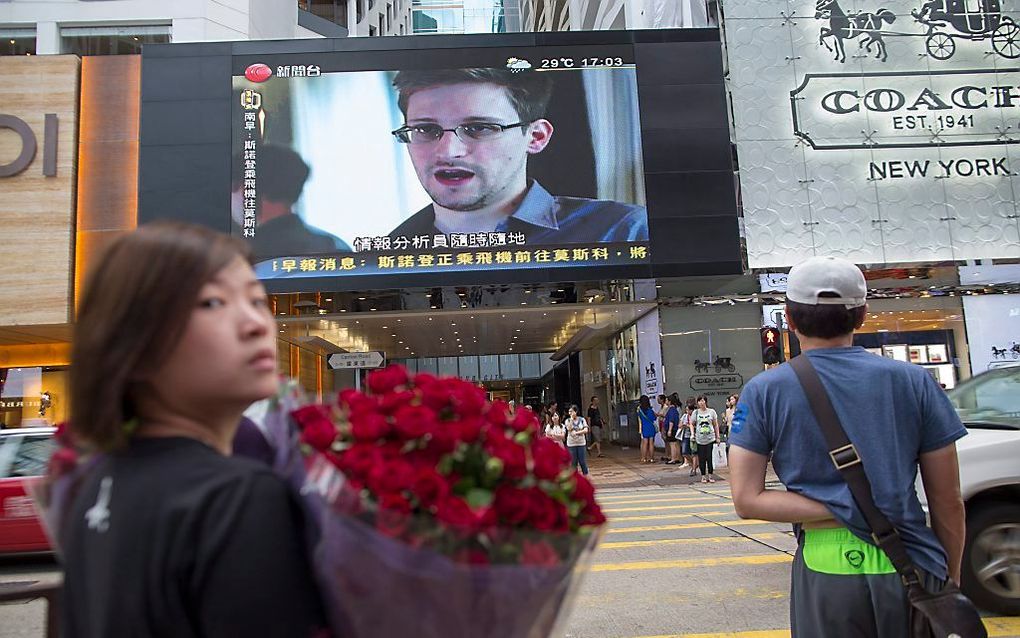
[664, 499]
[754, 559]
[684, 541]
[1002, 627]
[668, 528]
[658, 517]
[608, 510]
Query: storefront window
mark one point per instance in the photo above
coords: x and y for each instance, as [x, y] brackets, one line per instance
[32, 397]
[17, 41]
[126, 40]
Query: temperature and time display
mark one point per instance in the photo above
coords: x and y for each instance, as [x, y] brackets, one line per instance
[581, 63]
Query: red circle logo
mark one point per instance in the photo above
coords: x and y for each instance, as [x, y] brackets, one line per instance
[258, 73]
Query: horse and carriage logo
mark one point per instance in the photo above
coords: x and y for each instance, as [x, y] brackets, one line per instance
[946, 21]
[1000, 353]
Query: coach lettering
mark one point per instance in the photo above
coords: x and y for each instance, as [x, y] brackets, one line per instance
[29, 145]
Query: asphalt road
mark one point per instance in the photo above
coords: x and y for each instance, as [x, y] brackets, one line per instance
[676, 562]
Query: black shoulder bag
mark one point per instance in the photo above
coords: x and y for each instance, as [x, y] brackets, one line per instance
[944, 614]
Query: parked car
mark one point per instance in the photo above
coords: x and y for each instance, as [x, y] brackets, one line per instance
[24, 454]
[989, 405]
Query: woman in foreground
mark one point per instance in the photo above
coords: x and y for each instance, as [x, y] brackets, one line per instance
[167, 534]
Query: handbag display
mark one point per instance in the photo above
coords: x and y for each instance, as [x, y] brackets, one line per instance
[943, 614]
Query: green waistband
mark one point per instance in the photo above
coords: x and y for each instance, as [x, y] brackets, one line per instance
[837, 551]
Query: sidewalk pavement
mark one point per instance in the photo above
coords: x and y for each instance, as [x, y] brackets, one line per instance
[620, 468]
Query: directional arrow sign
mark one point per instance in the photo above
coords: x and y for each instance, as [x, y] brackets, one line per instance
[352, 360]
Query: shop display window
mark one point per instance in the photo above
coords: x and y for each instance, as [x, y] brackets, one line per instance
[33, 397]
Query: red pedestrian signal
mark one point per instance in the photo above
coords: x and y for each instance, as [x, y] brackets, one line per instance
[771, 346]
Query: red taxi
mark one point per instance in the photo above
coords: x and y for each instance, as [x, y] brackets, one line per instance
[24, 454]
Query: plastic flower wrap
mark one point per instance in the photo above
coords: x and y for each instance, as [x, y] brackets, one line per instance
[437, 512]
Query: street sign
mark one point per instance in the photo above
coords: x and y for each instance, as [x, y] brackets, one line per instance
[356, 360]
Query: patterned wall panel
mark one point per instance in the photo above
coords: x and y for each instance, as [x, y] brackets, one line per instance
[873, 129]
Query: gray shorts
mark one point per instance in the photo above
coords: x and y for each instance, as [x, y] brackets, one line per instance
[845, 606]
[596, 434]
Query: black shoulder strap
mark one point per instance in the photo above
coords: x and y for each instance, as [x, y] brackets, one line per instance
[846, 459]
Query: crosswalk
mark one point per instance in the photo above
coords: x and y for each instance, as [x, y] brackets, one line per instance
[676, 562]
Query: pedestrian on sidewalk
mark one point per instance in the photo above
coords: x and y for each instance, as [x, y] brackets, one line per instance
[647, 421]
[706, 435]
[554, 429]
[899, 422]
[164, 523]
[661, 407]
[687, 437]
[577, 427]
[595, 422]
[673, 429]
[727, 420]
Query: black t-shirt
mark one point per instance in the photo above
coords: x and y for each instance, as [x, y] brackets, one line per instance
[595, 417]
[170, 538]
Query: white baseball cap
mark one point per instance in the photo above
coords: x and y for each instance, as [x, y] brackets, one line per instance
[839, 277]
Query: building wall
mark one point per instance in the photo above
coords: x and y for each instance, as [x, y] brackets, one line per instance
[190, 20]
[37, 210]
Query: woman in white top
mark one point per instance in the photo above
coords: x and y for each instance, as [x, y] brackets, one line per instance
[554, 429]
[577, 427]
[706, 434]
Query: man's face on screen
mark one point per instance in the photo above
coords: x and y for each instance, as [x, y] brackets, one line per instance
[473, 174]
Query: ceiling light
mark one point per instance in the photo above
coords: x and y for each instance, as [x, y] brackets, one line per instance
[329, 299]
[385, 327]
[343, 310]
[393, 335]
[361, 298]
[521, 321]
[372, 309]
[430, 318]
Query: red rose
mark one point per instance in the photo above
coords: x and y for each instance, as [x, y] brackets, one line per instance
[317, 430]
[429, 487]
[513, 456]
[524, 420]
[546, 514]
[550, 458]
[443, 437]
[512, 505]
[584, 491]
[498, 413]
[387, 380]
[369, 426]
[592, 516]
[392, 402]
[413, 421]
[455, 513]
[469, 429]
[63, 436]
[356, 401]
[539, 553]
[62, 461]
[467, 399]
[424, 379]
[359, 460]
[435, 395]
[392, 477]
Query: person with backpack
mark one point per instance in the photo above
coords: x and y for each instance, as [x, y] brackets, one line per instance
[862, 535]
[705, 423]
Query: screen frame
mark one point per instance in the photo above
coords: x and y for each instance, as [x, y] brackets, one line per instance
[186, 146]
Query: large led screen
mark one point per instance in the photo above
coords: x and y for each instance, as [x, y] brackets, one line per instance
[493, 159]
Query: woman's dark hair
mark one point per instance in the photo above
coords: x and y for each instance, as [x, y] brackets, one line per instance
[691, 404]
[825, 321]
[573, 406]
[131, 318]
[661, 398]
[674, 399]
[593, 397]
[644, 402]
[701, 397]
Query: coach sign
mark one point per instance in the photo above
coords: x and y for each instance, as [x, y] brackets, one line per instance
[38, 100]
[882, 131]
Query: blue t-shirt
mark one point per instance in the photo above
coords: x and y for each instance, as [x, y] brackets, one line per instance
[672, 420]
[892, 412]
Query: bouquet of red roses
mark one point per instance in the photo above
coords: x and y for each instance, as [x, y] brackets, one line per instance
[438, 513]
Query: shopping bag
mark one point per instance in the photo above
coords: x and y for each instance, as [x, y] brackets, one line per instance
[719, 455]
